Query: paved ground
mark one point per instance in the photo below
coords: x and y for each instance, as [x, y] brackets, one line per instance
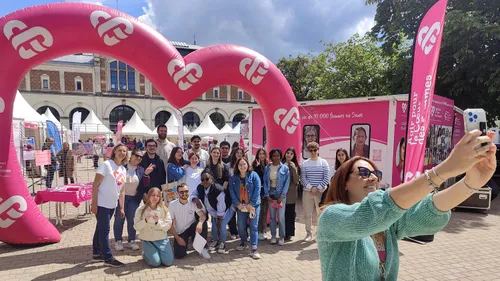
[467, 249]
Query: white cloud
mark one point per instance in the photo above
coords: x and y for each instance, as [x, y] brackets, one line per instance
[96, 2]
[274, 28]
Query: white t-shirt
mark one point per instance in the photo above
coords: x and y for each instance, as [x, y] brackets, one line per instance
[192, 178]
[183, 214]
[203, 154]
[111, 184]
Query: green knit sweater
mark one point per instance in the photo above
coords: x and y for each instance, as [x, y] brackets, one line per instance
[346, 250]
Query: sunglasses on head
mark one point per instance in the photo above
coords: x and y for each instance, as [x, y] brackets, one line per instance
[205, 179]
[366, 173]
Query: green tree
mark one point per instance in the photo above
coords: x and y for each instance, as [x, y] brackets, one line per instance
[359, 67]
[469, 64]
[301, 73]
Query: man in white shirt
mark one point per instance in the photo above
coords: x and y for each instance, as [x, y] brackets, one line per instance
[196, 147]
[164, 145]
[185, 224]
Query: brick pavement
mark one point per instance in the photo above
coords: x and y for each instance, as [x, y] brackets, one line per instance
[465, 250]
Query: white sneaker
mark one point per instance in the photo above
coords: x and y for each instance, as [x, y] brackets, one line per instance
[255, 254]
[119, 245]
[222, 248]
[273, 240]
[133, 245]
[309, 238]
[281, 241]
[204, 254]
[262, 237]
[234, 237]
[213, 246]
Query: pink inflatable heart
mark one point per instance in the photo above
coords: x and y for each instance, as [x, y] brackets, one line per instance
[37, 34]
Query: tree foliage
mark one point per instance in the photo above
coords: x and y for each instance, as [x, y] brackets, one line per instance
[469, 64]
[301, 73]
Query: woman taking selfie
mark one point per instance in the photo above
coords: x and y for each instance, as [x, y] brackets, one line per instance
[359, 226]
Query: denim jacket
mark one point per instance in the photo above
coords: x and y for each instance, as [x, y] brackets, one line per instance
[283, 180]
[253, 186]
[175, 172]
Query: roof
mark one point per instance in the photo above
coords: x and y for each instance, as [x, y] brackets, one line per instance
[87, 59]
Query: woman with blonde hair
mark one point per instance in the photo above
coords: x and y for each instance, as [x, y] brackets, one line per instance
[153, 221]
[360, 225]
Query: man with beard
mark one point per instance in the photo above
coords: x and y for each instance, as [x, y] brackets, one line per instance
[159, 176]
[196, 148]
[164, 145]
[225, 148]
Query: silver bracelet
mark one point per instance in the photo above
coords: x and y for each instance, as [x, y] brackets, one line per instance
[431, 183]
[434, 172]
[470, 189]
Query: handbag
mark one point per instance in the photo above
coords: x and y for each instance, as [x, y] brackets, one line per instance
[169, 189]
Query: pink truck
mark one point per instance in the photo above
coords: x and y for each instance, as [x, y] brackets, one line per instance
[381, 123]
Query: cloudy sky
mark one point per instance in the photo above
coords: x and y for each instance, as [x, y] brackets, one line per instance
[275, 28]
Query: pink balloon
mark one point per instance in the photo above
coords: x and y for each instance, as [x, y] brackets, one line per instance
[37, 34]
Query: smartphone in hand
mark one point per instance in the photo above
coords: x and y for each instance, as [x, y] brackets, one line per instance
[475, 119]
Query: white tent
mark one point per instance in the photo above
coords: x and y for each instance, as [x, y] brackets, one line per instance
[93, 126]
[235, 130]
[225, 129]
[23, 110]
[187, 132]
[136, 127]
[206, 128]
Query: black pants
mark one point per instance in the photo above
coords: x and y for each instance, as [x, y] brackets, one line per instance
[290, 220]
[181, 251]
[96, 160]
[72, 179]
[233, 226]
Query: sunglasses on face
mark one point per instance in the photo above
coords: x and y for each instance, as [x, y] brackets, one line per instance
[151, 146]
[183, 191]
[138, 156]
[313, 150]
[366, 173]
[205, 179]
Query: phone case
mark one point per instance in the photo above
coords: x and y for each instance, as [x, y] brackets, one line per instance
[475, 119]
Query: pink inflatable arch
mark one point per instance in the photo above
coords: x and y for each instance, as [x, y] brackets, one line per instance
[37, 34]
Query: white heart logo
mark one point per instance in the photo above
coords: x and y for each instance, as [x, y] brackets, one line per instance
[257, 68]
[427, 42]
[8, 207]
[290, 121]
[184, 72]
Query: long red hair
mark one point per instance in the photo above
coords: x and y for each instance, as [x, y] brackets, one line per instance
[337, 192]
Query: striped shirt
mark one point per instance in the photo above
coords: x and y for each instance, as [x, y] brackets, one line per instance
[314, 173]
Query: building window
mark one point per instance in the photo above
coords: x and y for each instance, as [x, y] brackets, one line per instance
[122, 76]
[240, 94]
[45, 82]
[78, 84]
[216, 93]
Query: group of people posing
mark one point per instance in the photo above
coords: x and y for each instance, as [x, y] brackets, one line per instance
[220, 185]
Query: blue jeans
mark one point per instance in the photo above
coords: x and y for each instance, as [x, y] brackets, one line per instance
[281, 219]
[130, 206]
[100, 243]
[254, 227]
[222, 230]
[158, 252]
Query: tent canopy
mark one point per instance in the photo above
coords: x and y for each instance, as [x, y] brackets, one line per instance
[23, 110]
[207, 128]
[92, 125]
[225, 129]
[135, 126]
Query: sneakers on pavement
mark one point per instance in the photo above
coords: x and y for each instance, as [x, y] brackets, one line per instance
[242, 247]
[255, 254]
[309, 238]
[262, 237]
[222, 249]
[114, 262]
[281, 241]
[234, 237]
[204, 254]
[273, 240]
[133, 245]
[97, 257]
[119, 245]
[213, 246]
